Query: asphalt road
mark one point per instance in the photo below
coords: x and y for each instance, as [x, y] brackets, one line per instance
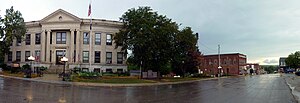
[255, 89]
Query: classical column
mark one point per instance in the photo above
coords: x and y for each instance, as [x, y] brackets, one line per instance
[91, 57]
[43, 38]
[71, 46]
[78, 46]
[48, 46]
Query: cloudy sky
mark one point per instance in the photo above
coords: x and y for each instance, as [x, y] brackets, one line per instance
[264, 30]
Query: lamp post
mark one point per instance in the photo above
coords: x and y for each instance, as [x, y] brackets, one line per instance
[64, 59]
[31, 59]
[219, 68]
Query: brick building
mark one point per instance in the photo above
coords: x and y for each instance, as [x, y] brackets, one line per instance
[255, 66]
[232, 64]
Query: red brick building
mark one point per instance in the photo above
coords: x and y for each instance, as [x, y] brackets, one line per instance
[255, 67]
[232, 64]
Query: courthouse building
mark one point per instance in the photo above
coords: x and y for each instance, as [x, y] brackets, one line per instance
[64, 34]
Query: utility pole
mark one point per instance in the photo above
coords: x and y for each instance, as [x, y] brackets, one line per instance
[219, 67]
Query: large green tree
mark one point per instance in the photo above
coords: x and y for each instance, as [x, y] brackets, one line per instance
[149, 36]
[185, 58]
[12, 27]
[157, 43]
[293, 60]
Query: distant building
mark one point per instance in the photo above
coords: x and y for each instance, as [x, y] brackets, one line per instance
[283, 67]
[255, 66]
[232, 64]
[64, 34]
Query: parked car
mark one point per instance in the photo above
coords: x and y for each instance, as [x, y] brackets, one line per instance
[297, 73]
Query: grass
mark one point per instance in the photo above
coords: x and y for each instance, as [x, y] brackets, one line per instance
[19, 74]
[114, 80]
[130, 80]
[178, 79]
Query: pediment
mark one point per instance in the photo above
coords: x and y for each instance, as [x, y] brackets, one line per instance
[60, 16]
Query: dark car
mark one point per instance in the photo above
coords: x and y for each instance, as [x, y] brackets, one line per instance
[297, 73]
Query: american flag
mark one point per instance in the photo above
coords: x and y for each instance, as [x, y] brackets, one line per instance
[90, 10]
[89, 14]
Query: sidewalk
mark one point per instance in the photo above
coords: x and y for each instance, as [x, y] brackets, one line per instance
[53, 78]
[293, 82]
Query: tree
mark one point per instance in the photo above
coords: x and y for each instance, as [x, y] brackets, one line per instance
[270, 68]
[185, 52]
[12, 26]
[149, 36]
[293, 60]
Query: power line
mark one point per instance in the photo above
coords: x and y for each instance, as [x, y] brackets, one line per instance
[208, 48]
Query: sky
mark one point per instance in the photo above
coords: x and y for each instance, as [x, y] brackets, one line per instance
[264, 30]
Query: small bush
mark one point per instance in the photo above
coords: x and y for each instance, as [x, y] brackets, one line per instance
[200, 76]
[89, 75]
[26, 67]
[4, 67]
[42, 68]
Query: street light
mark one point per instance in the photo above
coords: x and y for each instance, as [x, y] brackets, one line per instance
[64, 59]
[219, 68]
[31, 59]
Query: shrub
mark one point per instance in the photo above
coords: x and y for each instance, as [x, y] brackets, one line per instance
[76, 70]
[42, 68]
[199, 76]
[4, 67]
[88, 75]
[26, 67]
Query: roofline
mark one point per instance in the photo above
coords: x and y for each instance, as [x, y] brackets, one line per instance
[225, 54]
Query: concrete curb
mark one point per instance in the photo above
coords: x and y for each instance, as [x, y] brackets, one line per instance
[106, 84]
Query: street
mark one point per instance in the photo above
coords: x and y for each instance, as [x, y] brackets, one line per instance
[270, 88]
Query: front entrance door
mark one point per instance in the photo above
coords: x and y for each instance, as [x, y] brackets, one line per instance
[59, 55]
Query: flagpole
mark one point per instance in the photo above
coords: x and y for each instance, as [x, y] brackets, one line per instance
[90, 41]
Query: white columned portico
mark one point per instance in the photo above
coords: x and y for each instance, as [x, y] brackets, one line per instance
[43, 38]
[48, 46]
[78, 45]
[71, 44]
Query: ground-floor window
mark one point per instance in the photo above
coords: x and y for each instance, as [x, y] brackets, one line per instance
[108, 57]
[97, 70]
[120, 70]
[109, 70]
[9, 56]
[27, 55]
[85, 69]
[18, 56]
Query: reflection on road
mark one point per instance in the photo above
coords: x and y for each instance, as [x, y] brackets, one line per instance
[255, 89]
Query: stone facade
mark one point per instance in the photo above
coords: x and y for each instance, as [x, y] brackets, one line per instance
[64, 34]
[232, 64]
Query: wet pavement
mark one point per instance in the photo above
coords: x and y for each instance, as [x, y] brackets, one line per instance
[270, 88]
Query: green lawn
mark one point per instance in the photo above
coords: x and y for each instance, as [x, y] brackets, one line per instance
[178, 79]
[114, 80]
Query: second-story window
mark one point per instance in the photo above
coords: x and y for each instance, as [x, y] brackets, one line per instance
[38, 38]
[61, 38]
[27, 39]
[98, 39]
[19, 41]
[86, 38]
[108, 39]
